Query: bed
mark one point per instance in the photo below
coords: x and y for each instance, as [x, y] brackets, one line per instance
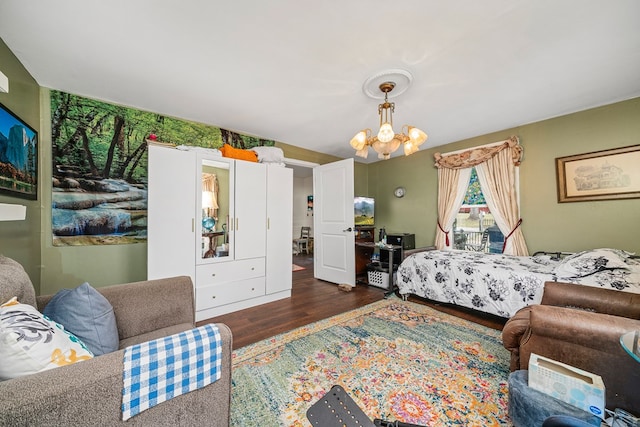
[502, 284]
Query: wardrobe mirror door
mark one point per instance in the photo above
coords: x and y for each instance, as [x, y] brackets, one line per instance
[214, 199]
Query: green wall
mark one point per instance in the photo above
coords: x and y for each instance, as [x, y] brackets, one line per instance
[547, 224]
[20, 240]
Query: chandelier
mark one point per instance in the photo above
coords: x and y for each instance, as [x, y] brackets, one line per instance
[387, 141]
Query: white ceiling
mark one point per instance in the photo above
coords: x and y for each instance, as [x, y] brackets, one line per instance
[293, 70]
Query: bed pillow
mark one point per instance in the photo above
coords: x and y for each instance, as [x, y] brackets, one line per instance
[30, 342]
[542, 259]
[589, 262]
[87, 314]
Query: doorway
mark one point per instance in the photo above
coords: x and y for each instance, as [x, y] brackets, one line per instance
[302, 210]
[327, 202]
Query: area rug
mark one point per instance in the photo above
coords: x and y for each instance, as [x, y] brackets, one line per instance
[298, 267]
[399, 361]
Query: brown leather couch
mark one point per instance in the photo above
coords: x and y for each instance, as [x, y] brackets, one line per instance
[581, 326]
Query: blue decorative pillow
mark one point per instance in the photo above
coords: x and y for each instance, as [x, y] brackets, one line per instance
[87, 314]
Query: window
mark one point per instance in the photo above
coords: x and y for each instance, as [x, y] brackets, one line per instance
[474, 228]
[497, 169]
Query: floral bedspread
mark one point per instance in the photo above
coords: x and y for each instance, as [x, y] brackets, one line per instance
[502, 284]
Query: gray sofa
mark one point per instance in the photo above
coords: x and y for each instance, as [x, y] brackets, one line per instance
[89, 393]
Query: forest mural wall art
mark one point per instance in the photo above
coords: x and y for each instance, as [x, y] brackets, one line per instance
[99, 153]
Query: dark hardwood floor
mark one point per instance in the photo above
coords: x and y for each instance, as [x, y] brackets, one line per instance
[312, 300]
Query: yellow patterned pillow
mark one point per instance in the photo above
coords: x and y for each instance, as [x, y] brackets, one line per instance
[30, 342]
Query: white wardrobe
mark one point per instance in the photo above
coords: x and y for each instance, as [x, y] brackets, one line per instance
[225, 223]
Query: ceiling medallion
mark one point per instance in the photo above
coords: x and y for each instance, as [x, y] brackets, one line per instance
[401, 78]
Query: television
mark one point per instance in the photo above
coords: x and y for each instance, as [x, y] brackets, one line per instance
[364, 210]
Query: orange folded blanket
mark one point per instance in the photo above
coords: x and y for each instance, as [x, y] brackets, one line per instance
[238, 153]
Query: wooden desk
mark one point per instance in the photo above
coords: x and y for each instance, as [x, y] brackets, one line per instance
[213, 243]
[364, 252]
[364, 236]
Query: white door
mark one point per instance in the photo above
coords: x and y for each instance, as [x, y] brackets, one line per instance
[279, 231]
[333, 235]
[171, 209]
[250, 236]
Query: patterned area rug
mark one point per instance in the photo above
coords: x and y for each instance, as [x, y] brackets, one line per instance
[398, 360]
[297, 267]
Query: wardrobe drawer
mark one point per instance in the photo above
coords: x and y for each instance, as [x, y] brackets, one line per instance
[229, 271]
[230, 292]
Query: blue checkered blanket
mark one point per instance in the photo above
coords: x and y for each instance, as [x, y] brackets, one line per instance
[156, 371]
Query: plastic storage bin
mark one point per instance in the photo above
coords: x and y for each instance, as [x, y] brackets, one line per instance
[378, 274]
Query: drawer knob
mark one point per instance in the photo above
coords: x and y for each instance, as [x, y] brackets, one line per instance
[253, 289]
[213, 274]
[253, 268]
[213, 297]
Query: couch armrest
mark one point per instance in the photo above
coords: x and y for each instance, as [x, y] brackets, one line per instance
[606, 301]
[589, 341]
[142, 307]
[90, 393]
[514, 332]
[581, 328]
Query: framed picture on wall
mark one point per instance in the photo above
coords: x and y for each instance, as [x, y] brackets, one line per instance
[600, 175]
[18, 156]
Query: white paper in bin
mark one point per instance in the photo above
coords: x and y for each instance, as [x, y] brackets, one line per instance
[579, 388]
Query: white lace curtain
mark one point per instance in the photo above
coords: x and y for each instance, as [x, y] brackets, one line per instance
[496, 166]
[452, 187]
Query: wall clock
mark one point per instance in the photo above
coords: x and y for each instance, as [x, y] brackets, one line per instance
[399, 192]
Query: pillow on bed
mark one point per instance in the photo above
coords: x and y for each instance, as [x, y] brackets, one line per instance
[588, 262]
[542, 259]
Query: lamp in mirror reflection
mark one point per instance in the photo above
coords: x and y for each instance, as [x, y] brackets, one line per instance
[208, 204]
[386, 141]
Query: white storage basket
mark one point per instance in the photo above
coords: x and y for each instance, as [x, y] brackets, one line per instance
[379, 279]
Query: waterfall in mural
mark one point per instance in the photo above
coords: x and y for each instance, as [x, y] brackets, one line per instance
[99, 153]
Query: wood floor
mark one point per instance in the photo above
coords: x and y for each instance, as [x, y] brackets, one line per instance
[312, 300]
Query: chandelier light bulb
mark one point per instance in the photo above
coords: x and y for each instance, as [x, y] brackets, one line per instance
[386, 132]
[409, 148]
[417, 136]
[359, 141]
[363, 152]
